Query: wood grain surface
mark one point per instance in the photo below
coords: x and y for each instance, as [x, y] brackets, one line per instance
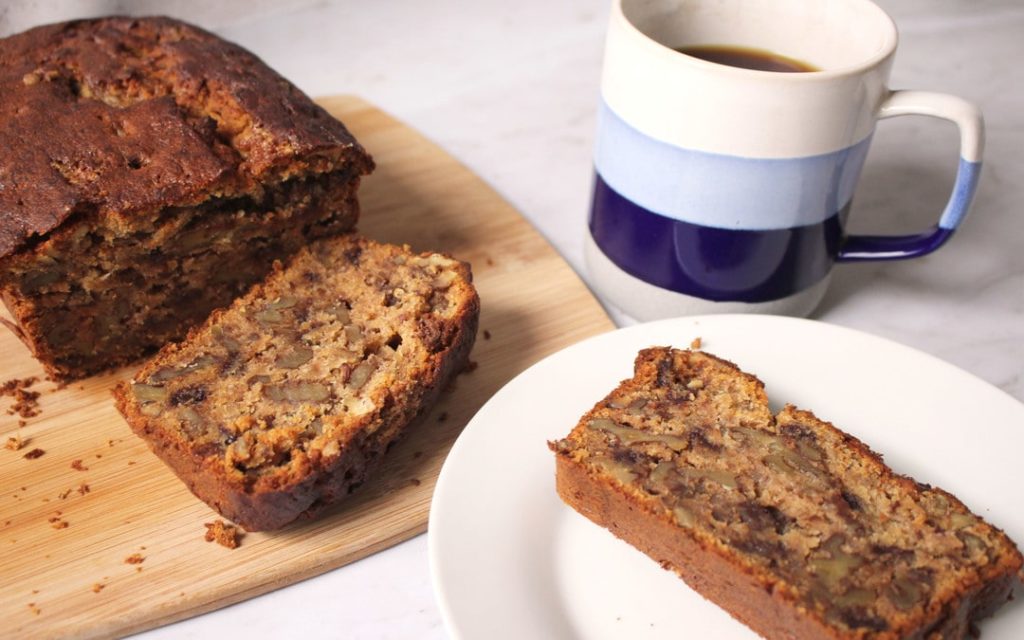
[68, 529]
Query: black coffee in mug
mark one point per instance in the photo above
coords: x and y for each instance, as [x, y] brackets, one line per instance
[747, 58]
[718, 189]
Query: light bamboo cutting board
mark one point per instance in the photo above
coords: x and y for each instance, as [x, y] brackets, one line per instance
[77, 580]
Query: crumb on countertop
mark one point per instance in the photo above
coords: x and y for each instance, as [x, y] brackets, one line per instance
[135, 558]
[226, 535]
[97, 587]
[695, 344]
[14, 443]
[487, 334]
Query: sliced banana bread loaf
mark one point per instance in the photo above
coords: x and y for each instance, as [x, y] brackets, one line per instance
[150, 173]
[286, 400]
[794, 527]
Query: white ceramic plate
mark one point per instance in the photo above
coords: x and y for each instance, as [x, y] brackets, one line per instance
[510, 560]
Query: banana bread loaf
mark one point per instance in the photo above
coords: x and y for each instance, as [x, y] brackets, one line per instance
[150, 173]
[795, 528]
[285, 401]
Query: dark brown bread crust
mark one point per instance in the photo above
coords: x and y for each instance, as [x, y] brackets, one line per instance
[151, 173]
[734, 587]
[731, 586]
[129, 115]
[602, 472]
[411, 319]
[315, 487]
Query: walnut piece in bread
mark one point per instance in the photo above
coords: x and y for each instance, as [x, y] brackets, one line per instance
[792, 526]
[151, 172]
[288, 399]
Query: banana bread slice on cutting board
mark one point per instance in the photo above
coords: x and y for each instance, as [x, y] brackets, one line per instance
[287, 400]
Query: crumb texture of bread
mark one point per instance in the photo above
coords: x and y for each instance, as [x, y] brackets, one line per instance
[151, 173]
[286, 401]
[794, 527]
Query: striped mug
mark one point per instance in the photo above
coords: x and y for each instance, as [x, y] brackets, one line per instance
[725, 189]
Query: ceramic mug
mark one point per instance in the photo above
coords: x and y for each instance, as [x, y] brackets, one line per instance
[725, 189]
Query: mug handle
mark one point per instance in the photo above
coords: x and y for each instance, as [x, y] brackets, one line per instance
[972, 141]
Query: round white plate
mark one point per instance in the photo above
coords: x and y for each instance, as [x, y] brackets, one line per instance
[510, 560]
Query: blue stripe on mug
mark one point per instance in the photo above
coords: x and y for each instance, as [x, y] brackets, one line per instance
[711, 263]
[866, 248]
[750, 193]
[963, 192]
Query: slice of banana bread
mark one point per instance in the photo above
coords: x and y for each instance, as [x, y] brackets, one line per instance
[286, 400]
[794, 527]
[150, 173]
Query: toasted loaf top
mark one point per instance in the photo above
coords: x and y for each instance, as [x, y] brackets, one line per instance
[120, 116]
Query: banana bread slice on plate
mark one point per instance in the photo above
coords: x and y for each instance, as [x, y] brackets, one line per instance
[285, 401]
[151, 172]
[794, 527]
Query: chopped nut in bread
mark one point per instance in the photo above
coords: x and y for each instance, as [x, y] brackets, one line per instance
[795, 528]
[285, 401]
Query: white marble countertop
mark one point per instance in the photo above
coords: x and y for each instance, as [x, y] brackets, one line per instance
[510, 89]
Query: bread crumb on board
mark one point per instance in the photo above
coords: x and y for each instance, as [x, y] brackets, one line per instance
[26, 403]
[33, 454]
[135, 558]
[14, 443]
[224, 534]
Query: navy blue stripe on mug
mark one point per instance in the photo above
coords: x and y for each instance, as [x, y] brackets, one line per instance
[708, 262]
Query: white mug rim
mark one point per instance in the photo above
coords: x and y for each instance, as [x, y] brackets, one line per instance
[888, 46]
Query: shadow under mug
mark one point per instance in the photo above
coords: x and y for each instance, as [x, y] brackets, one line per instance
[723, 189]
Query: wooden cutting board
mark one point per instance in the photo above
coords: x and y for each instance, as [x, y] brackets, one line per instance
[78, 579]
